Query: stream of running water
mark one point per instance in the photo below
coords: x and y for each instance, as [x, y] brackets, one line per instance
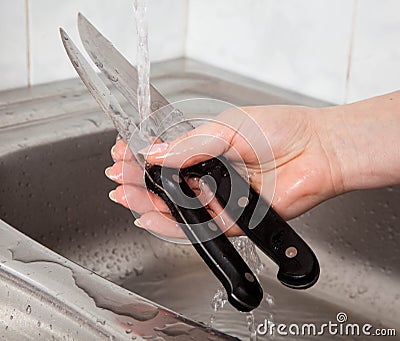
[143, 63]
[244, 246]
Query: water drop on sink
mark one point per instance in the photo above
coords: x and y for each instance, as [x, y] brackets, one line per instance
[362, 290]
[138, 270]
[270, 300]
[102, 322]
[175, 329]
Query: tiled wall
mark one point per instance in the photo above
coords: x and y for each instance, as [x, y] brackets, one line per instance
[31, 49]
[336, 50]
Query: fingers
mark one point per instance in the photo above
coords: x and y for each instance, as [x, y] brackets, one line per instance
[165, 225]
[217, 213]
[138, 199]
[120, 151]
[128, 172]
[208, 140]
[161, 224]
[156, 217]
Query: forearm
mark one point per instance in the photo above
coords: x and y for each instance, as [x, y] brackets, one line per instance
[363, 142]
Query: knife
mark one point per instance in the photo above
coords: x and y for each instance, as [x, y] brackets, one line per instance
[242, 287]
[298, 265]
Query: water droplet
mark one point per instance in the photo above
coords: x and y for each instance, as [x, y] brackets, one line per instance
[270, 300]
[102, 322]
[212, 321]
[28, 309]
[362, 289]
[175, 329]
[138, 270]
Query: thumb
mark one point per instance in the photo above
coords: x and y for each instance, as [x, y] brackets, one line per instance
[206, 141]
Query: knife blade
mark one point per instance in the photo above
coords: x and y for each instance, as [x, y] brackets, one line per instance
[124, 77]
[258, 219]
[242, 287]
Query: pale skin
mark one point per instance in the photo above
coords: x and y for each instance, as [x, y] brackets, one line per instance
[319, 153]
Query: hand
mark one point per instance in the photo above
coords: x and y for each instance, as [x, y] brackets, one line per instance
[305, 173]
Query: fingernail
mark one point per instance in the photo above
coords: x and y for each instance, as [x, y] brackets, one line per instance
[107, 172]
[113, 153]
[156, 148]
[110, 173]
[138, 223]
[112, 195]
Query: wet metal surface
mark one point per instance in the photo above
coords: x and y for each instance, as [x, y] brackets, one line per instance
[53, 190]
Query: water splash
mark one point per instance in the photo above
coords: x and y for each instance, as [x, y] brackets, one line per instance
[143, 63]
[248, 251]
[252, 326]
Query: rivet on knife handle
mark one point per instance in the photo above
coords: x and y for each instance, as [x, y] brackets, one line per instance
[298, 266]
[243, 289]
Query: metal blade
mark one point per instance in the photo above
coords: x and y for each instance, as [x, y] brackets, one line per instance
[166, 120]
[122, 122]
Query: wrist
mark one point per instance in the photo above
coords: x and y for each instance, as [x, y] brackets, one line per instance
[361, 142]
[328, 124]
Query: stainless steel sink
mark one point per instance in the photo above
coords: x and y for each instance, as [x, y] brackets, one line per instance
[53, 149]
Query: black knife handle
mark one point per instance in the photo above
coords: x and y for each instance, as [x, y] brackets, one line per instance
[298, 265]
[243, 289]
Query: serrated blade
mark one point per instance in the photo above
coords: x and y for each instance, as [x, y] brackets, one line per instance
[165, 119]
[122, 122]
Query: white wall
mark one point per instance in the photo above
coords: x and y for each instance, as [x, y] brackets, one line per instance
[13, 66]
[336, 50]
[303, 45]
[375, 65]
[35, 54]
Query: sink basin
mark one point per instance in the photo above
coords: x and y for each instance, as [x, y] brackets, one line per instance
[53, 190]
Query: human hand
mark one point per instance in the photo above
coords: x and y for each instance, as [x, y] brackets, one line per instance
[296, 161]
